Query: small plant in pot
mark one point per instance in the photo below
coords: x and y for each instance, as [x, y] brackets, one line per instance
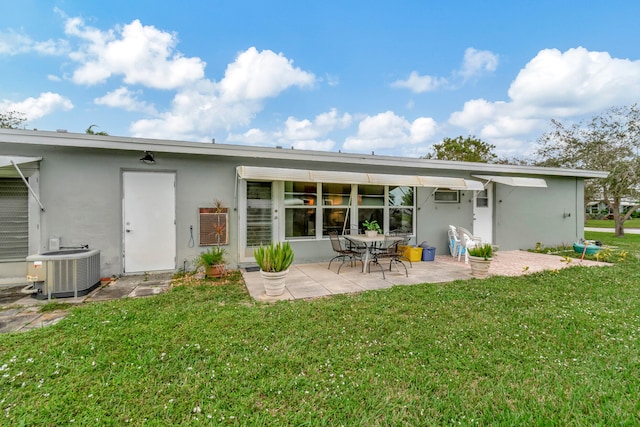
[480, 259]
[372, 228]
[274, 261]
[213, 262]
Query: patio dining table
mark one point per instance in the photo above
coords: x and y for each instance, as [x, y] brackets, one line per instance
[369, 243]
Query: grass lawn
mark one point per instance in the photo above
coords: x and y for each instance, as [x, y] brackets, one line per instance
[609, 223]
[554, 348]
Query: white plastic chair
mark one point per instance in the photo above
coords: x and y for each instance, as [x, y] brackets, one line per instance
[467, 240]
[454, 242]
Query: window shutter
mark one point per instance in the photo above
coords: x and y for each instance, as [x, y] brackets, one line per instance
[14, 220]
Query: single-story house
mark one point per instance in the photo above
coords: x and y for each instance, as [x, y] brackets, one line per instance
[149, 205]
[601, 208]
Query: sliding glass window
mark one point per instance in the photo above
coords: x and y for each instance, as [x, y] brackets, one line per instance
[401, 206]
[314, 210]
[370, 204]
[301, 202]
[336, 199]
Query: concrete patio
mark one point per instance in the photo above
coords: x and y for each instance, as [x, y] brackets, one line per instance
[316, 280]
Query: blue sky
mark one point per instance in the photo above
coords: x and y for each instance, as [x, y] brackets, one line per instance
[357, 76]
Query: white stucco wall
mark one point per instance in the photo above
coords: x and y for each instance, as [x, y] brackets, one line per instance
[81, 189]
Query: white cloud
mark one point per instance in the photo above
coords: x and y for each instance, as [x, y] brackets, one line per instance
[299, 129]
[305, 134]
[332, 80]
[419, 84]
[314, 144]
[477, 62]
[13, 43]
[206, 107]
[257, 75]
[331, 120]
[422, 129]
[474, 114]
[302, 134]
[141, 54]
[552, 85]
[125, 99]
[575, 82]
[253, 136]
[35, 108]
[388, 130]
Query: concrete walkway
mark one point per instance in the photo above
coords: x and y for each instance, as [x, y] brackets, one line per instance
[19, 312]
[611, 230]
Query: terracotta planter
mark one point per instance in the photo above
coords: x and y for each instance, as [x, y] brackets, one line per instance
[216, 270]
[371, 233]
[274, 282]
[479, 266]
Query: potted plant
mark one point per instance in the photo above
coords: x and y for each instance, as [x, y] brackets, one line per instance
[372, 228]
[480, 259]
[213, 261]
[274, 261]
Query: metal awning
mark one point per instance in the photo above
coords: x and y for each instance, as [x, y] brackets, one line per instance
[303, 175]
[470, 185]
[12, 162]
[514, 181]
[9, 161]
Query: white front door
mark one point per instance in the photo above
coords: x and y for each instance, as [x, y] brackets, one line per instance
[149, 229]
[483, 214]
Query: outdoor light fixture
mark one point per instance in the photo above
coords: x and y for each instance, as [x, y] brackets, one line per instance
[148, 158]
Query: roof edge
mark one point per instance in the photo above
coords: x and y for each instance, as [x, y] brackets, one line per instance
[108, 142]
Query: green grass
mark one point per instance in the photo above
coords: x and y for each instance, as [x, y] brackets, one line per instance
[554, 348]
[609, 223]
[54, 306]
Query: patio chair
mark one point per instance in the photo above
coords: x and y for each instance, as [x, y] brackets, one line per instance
[455, 246]
[342, 252]
[360, 248]
[406, 237]
[389, 250]
[467, 240]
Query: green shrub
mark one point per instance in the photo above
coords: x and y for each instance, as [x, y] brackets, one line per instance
[212, 256]
[483, 251]
[274, 257]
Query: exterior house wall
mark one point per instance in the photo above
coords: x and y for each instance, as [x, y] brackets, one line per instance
[81, 190]
[550, 216]
[80, 184]
[433, 218]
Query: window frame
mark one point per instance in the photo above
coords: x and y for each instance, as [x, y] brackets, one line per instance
[439, 191]
[353, 208]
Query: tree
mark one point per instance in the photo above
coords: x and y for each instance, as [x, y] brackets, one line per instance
[90, 131]
[12, 120]
[469, 149]
[608, 142]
